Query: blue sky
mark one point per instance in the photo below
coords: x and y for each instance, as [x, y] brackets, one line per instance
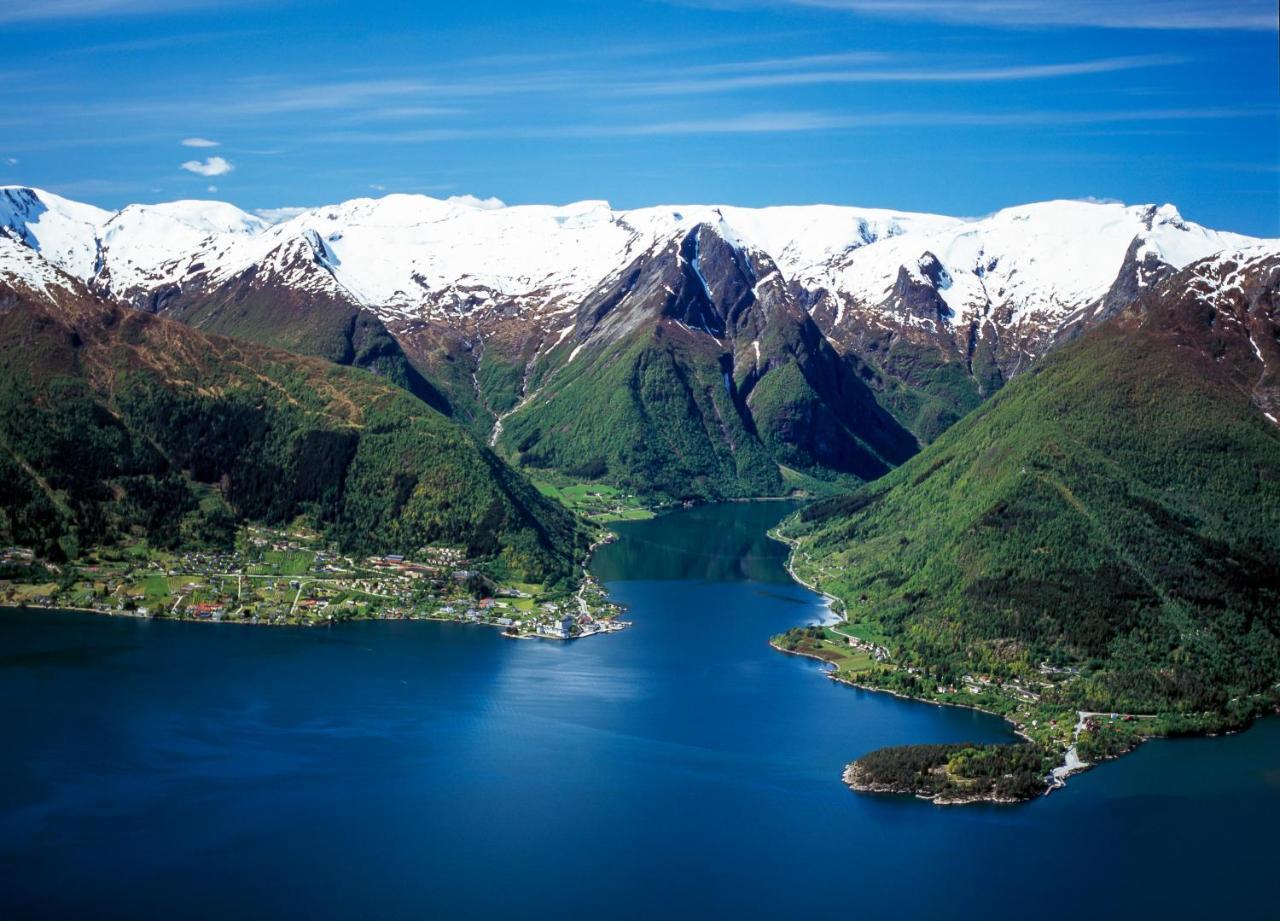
[953, 106]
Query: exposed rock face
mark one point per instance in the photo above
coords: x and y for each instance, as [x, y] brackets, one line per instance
[1142, 270]
[709, 324]
[916, 291]
[1224, 312]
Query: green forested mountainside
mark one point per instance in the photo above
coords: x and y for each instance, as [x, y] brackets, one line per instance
[815, 415]
[1117, 509]
[927, 390]
[660, 414]
[646, 416]
[643, 395]
[314, 323]
[480, 375]
[695, 374]
[115, 424]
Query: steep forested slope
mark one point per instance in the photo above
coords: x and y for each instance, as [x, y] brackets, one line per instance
[115, 423]
[1116, 509]
[695, 373]
[293, 303]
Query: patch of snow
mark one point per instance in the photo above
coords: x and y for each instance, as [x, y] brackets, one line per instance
[755, 289]
[25, 268]
[61, 230]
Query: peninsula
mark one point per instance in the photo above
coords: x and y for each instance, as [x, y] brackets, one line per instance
[1098, 571]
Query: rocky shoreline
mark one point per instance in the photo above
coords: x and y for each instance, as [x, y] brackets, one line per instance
[853, 779]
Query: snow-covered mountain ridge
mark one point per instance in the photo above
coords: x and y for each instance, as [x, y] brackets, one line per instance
[486, 300]
[681, 350]
[411, 255]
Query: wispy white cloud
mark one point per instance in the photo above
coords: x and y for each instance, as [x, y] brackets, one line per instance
[810, 77]
[817, 121]
[277, 215]
[790, 63]
[395, 113]
[199, 142]
[212, 166]
[174, 40]
[1253, 15]
[472, 201]
[1236, 166]
[751, 123]
[399, 96]
[264, 97]
[436, 102]
[45, 10]
[797, 122]
[260, 98]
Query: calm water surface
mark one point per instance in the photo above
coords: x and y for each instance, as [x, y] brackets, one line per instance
[679, 768]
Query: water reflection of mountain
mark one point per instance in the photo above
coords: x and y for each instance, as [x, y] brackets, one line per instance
[716, 543]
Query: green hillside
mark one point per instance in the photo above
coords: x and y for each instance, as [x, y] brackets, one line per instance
[645, 415]
[1113, 515]
[116, 424]
[695, 374]
[315, 324]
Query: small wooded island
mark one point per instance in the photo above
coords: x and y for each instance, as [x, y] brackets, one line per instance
[950, 774]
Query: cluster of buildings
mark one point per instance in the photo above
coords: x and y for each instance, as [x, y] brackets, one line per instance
[432, 561]
[19, 556]
[254, 585]
[560, 626]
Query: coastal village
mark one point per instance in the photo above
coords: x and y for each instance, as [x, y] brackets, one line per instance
[294, 578]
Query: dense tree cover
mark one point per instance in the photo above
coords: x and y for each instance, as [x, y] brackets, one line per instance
[928, 390]
[955, 771]
[476, 383]
[666, 413]
[115, 424]
[1118, 509]
[803, 430]
[316, 323]
[72, 472]
[694, 373]
[649, 416]
[498, 381]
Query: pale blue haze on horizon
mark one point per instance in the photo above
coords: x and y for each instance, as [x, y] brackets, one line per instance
[949, 106]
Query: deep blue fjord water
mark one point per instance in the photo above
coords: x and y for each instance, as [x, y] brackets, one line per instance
[681, 768]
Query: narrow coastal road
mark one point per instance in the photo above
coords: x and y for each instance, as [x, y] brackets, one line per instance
[1071, 762]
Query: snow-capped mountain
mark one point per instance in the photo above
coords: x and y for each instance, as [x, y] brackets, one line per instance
[411, 256]
[1002, 289]
[24, 270]
[935, 311]
[64, 232]
[1043, 259]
